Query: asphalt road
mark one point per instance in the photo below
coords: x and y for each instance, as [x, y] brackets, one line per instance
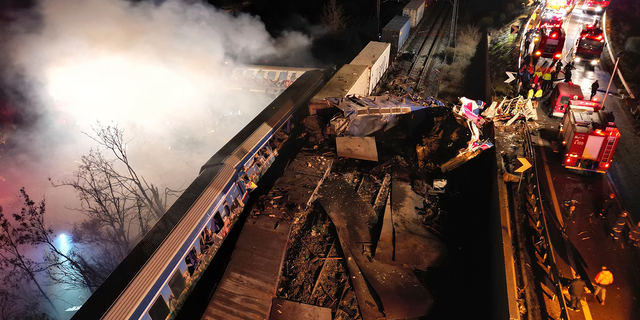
[586, 245]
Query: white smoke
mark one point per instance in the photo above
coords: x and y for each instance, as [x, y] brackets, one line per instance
[158, 70]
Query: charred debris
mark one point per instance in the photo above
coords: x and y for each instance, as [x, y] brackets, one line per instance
[382, 160]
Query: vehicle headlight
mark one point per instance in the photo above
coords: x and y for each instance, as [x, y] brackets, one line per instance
[598, 8]
[577, 59]
[594, 62]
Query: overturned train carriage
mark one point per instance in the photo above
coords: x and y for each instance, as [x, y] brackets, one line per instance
[155, 279]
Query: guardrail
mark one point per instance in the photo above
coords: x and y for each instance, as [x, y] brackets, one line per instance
[539, 222]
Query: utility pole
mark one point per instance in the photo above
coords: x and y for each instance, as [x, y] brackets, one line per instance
[377, 20]
[615, 67]
[454, 23]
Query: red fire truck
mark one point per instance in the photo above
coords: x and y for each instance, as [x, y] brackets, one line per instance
[551, 19]
[560, 5]
[550, 43]
[596, 6]
[589, 45]
[589, 137]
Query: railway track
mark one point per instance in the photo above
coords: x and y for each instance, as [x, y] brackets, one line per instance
[422, 46]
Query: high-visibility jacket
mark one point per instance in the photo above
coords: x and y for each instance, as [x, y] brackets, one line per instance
[538, 93]
[546, 76]
[530, 94]
[604, 277]
[538, 73]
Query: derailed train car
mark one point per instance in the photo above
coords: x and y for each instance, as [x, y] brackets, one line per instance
[155, 279]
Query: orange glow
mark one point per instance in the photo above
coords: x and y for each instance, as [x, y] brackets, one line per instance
[568, 160]
[558, 55]
[606, 165]
[538, 53]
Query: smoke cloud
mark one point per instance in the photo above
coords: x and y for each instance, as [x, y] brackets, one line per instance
[160, 71]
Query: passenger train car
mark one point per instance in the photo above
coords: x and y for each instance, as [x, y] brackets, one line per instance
[154, 280]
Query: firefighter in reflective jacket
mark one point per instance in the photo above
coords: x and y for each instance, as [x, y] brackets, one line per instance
[634, 235]
[537, 96]
[618, 227]
[603, 279]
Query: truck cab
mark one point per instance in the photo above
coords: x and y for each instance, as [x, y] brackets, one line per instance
[562, 94]
[589, 137]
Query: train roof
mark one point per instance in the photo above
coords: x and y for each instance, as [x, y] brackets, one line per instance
[291, 92]
[397, 23]
[371, 53]
[414, 4]
[342, 82]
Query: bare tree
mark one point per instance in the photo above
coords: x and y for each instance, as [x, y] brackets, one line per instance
[111, 137]
[22, 304]
[120, 205]
[17, 232]
[31, 230]
[333, 17]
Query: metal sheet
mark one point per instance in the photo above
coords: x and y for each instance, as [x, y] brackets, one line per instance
[363, 148]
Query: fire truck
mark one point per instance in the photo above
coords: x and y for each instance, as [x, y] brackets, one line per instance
[589, 45]
[550, 43]
[551, 19]
[596, 6]
[560, 5]
[589, 137]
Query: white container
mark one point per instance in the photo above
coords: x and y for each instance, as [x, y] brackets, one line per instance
[376, 56]
[415, 11]
[349, 80]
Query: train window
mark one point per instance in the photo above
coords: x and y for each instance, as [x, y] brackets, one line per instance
[293, 77]
[218, 223]
[159, 310]
[206, 239]
[177, 283]
[227, 211]
[271, 75]
[191, 260]
[283, 76]
[260, 75]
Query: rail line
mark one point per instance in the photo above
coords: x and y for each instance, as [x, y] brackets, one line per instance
[427, 47]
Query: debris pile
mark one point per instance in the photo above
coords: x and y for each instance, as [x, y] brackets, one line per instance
[367, 115]
[511, 109]
[454, 140]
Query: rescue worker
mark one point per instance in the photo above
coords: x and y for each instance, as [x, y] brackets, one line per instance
[607, 206]
[594, 89]
[567, 75]
[525, 78]
[530, 93]
[558, 67]
[546, 79]
[619, 225]
[603, 279]
[634, 235]
[576, 290]
[537, 96]
[537, 76]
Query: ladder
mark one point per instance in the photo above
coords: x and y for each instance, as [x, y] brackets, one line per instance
[608, 149]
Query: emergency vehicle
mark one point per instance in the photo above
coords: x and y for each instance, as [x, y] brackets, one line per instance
[551, 19]
[550, 43]
[589, 137]
[560, 5]
[562, 94]
[597, 6]
[589, 45]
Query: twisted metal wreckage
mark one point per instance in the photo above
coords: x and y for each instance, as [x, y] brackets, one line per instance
[365, 116]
